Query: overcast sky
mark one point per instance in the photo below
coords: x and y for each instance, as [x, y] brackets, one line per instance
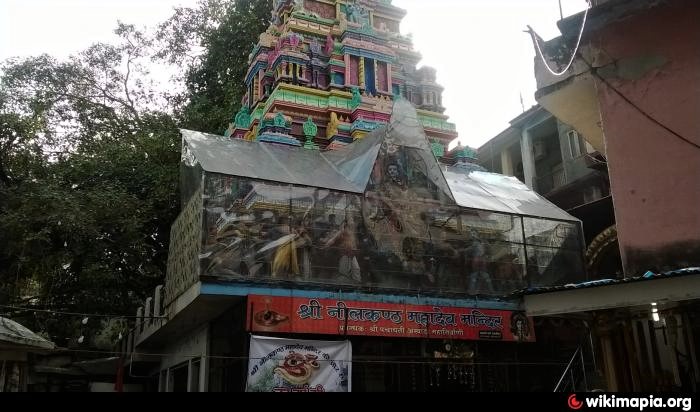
[478, 47]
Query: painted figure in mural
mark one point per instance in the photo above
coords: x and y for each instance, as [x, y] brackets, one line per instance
[285, 260]
[393, 170]
[305, 244]
[343, 242]
[292, 248]
[476, 253]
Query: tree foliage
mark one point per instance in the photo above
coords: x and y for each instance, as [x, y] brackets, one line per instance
[89, 154]
[88, 182]
[216, 39]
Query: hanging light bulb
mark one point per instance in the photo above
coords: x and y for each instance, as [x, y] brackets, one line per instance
[85, 321]
[81, 339]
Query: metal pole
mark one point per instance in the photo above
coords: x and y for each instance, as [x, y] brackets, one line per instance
[527, 265]
[567, 369]
[345, 330]
[561, 13]
[590, 338]
[583, 369]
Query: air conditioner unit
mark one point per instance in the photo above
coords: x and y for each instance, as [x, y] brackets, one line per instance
[539, 150]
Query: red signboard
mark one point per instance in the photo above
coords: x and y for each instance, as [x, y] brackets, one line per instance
[339, 317]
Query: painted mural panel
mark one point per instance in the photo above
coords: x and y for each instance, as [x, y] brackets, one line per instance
[400, 234]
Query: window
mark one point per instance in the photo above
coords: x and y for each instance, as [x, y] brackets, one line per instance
[576, 144]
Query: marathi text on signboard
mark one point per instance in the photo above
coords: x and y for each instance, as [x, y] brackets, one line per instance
[339, 317]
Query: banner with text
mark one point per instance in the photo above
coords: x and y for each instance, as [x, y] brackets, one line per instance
[288, 365]
[339, 317]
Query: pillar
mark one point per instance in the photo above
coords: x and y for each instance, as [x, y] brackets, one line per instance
[506, 162]
[528, 155]
[158, 301]
[609, 359]
[139, 321]
[648, 345]
[632, 354]
[148, 315]
[361, 72]
[389, 82]
[688, 330]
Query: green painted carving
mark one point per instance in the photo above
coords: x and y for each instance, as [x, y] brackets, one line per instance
[280, 121]
[356, 98]
[242, 119]
[310, 128]
[309, 144]
[357, 14]
[438, 149]
[466, 153]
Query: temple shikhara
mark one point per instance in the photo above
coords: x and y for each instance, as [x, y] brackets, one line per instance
[325, 73]
[331, 220]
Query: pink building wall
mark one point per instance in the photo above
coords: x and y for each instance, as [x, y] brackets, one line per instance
[655, 176]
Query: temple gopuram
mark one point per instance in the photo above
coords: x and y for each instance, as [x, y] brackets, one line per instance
[328, 243]
[326, 72]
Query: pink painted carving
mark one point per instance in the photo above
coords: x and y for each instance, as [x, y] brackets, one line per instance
[323, 10]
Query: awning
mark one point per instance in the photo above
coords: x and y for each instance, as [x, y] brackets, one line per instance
[675, 286]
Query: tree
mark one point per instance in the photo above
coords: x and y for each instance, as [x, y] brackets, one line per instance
[89, 154]
[216, 39]
[88, 182]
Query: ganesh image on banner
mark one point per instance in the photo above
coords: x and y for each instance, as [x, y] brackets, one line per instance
[297, 368]
[287, 365]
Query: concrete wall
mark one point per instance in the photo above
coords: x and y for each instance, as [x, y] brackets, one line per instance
[574, 167]
[188, 351]
[654, 60]
[194, 344]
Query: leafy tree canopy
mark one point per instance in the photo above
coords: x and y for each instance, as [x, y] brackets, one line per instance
[89, 154]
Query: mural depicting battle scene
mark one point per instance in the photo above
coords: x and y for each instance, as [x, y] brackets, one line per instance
[404, 233]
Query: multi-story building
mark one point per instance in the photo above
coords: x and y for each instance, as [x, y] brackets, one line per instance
[631, 91]
[557, 162]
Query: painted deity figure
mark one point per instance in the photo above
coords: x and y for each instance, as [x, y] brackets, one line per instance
[344, 242]
[357, 14]
[477, 254]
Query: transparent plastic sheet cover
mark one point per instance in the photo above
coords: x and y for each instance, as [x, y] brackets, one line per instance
[347, 170]
[378, 212]
[491, 191]
[554, 251]
[268, 231]
[406, 131]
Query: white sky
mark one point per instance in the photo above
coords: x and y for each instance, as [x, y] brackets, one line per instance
[478, 47]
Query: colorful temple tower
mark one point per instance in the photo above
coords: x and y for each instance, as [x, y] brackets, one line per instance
[326, 71]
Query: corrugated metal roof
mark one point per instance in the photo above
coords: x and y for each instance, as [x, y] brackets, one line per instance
[607, 282]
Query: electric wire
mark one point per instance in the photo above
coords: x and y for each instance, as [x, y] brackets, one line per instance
[536, 40]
